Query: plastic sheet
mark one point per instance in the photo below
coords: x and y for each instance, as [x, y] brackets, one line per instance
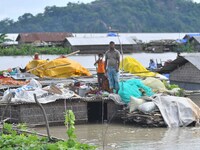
[25, 94]
[133, 87]
[131, 65]
[155, 84]
[57, 68]
[177, 111]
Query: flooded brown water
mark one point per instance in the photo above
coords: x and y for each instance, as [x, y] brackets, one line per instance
[128, 137]
[86, 60]
[119, 136]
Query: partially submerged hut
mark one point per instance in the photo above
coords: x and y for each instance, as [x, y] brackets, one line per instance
[100, 44]
[195, 41]
[184, 71]
[43, 39]
[188, 36]
[163, 45]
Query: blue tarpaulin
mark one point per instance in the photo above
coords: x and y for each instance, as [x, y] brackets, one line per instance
[193, 34]
[181, 40]
[112, 34]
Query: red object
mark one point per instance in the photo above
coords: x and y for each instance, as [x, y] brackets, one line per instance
[36, 56]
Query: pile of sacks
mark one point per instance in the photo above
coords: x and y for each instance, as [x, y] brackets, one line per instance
[171, 111]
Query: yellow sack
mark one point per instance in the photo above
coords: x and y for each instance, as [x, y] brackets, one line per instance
[58, 68]
[131, 65]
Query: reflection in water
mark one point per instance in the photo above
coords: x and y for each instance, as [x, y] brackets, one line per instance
[126, 137]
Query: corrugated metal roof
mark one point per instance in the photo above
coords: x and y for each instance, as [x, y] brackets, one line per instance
[192, 34]
[144, 37]
[193, 58]
[12, 36]
[46, 36]
[197, 38]
[78, 41]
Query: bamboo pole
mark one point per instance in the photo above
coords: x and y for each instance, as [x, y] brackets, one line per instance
[58, 66]
[37, 67]
[72, 53]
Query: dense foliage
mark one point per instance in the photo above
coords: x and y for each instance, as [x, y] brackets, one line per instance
[31, 50]
[2, 38]
[10, 140]
[123, 15]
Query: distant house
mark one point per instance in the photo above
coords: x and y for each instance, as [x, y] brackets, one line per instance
[46, 38]
[195, 41]
[163, 45]
[184, 71]
[190, 35]
[88, 45]
[10, 40]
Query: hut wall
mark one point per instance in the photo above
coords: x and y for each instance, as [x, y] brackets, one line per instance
[187, 85]
[195, 98]
[197, 47]
[31, 114]
[88, 49]
[113, 111]
[187, 73]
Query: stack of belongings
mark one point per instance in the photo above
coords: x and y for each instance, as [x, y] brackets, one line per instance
[163, 109]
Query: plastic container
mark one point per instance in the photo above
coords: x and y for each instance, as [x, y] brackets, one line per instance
[83, 90]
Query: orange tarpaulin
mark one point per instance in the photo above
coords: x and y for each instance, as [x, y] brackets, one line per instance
[10, 81]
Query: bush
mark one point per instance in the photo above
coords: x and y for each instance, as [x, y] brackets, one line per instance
[10, 139]
[31, 50]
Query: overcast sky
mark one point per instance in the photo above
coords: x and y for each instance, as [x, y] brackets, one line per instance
[14, 8]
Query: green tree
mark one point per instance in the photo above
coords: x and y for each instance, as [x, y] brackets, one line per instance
[124, 15]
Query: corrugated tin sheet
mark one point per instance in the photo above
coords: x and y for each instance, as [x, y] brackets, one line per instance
[192, 35]
[197, 38]
[192, 58]
[79, 41]
[144, 37]
[12, 36]
[46, 36]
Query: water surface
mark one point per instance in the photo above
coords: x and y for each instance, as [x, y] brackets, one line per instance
[86, 60]
[129, 137]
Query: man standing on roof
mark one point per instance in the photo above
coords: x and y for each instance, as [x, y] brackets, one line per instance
[112, 60]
